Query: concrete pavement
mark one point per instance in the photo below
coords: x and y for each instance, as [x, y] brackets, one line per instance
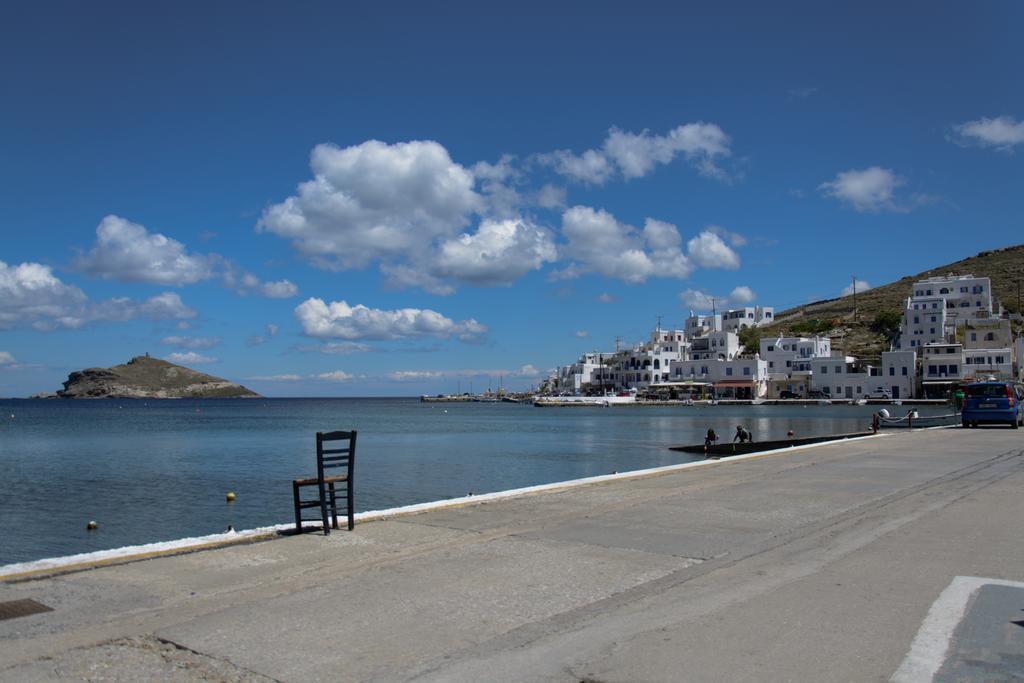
[820, 564]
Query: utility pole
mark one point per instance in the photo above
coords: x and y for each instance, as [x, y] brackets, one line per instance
[618, 340]
[659, 322]
[713, 313]
[854, 277]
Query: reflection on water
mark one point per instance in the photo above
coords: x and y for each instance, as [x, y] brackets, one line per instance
[158, 470]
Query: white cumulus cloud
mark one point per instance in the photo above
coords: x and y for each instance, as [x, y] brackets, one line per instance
[374, 201]
[499, 252]
[591, 167]
[868, 190]
[599, 243]
[127, 252]
[166, 306]
[245, 283]
[190, 357]
[861, 286]
[634, 155]
[6, 358]
[1001, 132]
[707, 249]
[341, 321]
[733, 238]
[30, 294]
[336, 376]
[413, 375]
[698, 300]
[742, 295]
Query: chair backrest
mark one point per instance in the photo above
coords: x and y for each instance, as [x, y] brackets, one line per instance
[342, 456]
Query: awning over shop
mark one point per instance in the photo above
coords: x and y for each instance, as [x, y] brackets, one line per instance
[736, 383]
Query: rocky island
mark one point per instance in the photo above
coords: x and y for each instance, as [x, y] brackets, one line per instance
[146, 377]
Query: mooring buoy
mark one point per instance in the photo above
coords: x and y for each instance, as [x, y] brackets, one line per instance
[92, 525]
[230, 496]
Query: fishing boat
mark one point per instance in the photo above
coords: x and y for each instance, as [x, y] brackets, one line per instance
[609, 399]
[913, 419]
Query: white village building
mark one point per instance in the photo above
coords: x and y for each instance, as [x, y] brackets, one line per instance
[737, 319]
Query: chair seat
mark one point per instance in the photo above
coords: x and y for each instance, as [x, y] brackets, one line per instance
[327, 480]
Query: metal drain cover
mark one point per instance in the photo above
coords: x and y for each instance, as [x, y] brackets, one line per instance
[21, 608]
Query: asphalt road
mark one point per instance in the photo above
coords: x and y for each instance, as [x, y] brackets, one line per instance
[825, 564]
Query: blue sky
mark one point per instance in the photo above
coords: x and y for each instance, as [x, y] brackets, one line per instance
[367, 199]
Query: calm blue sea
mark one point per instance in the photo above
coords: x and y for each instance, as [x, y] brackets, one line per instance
[158, 470]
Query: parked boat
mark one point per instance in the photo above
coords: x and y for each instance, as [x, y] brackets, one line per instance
[912, 419]
[607, 400]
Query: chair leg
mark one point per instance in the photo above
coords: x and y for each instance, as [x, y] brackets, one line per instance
[298, 512]
[334, 507]
[351, 507]
[323, 508]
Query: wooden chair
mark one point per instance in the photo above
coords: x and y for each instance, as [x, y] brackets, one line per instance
[327, 459]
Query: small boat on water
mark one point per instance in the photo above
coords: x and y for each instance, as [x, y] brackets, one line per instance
[913, 419]
[622, 398]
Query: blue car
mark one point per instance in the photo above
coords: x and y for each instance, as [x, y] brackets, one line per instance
[993, 402]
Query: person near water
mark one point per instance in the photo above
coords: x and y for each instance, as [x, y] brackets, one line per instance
[710, 438]
[742, 435]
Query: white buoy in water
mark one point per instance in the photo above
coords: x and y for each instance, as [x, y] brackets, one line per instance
[883, 413]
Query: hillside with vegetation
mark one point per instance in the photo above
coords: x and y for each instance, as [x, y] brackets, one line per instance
[866, 332]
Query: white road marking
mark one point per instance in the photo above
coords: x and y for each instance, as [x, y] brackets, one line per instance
[928, 651]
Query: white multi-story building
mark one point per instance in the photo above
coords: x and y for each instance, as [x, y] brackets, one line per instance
[986, 333]
[1018, 350]
[980, 364]
[741, 378]
[842, 377]
[698, 325]
[789, 367]
[648, 363]
[942, 368]
[572, 379]
[898, 375]
[783, 353]
[737, 319]
[924, 322]
[714, 345]
[965, 296]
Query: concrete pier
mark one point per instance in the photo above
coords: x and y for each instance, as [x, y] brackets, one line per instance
[896, 556]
